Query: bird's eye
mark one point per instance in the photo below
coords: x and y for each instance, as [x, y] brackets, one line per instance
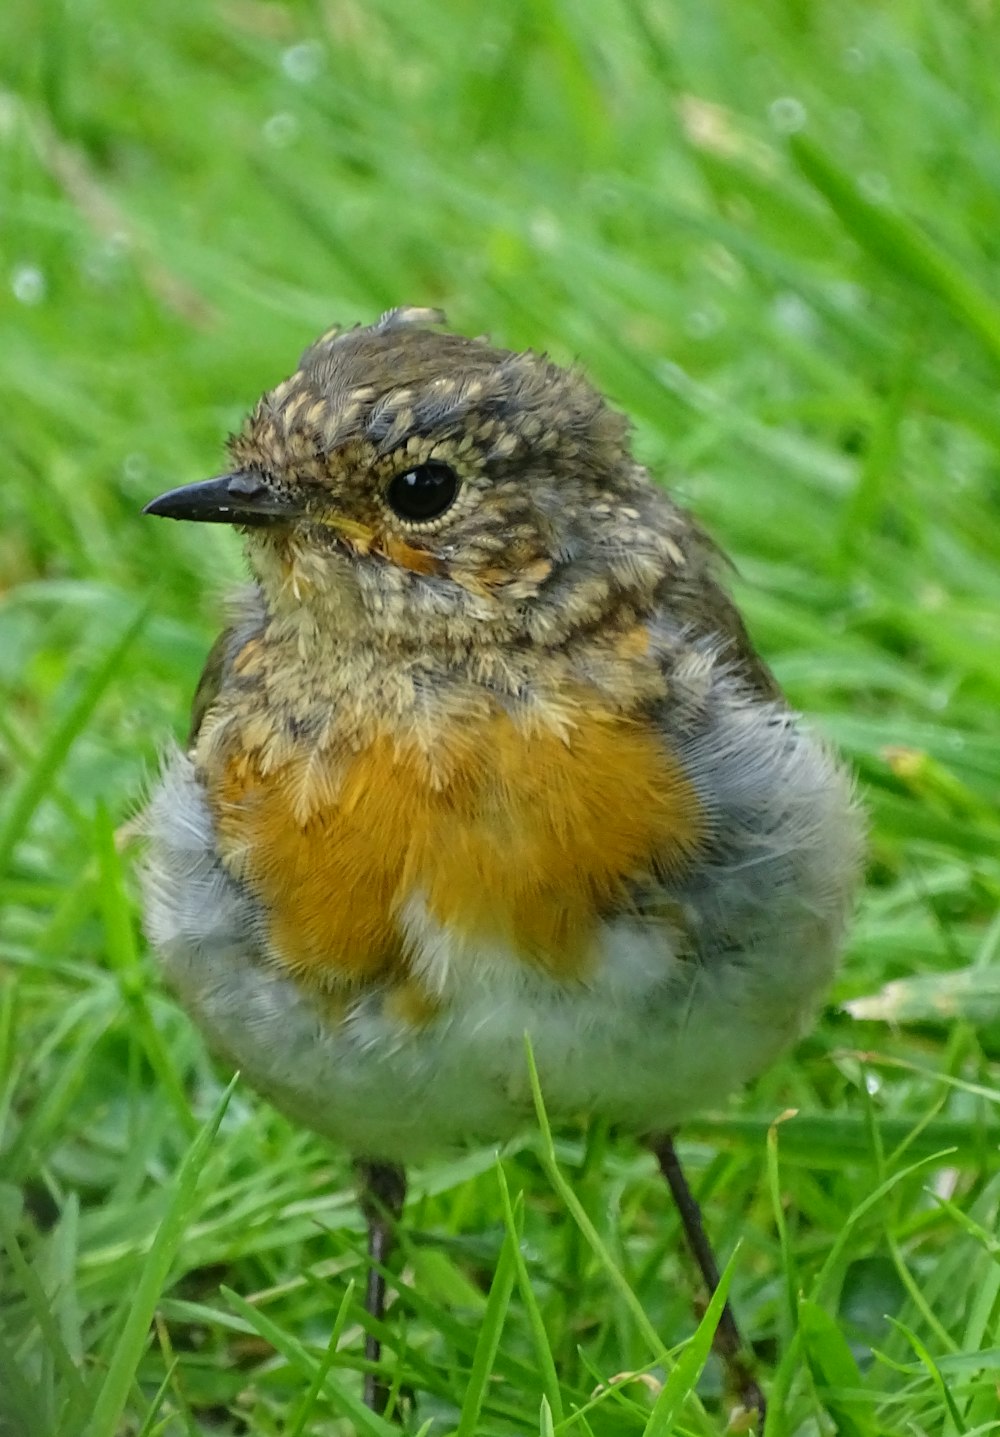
[423, 492]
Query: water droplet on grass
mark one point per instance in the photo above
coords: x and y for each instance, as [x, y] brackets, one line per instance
[27, 284]
[135, 466]
[281, 129]
[704, 322]
[787, 114]
[793, 315]
[302, 63]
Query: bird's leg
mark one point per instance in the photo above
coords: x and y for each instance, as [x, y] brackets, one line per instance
[727, 1341]
[381, 1193]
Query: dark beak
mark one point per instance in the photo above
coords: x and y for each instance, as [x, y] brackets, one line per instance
[240, 498]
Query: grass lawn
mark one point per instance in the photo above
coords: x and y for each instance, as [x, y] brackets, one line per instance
[771, 233]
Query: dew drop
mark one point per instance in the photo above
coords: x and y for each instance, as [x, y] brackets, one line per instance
[281, 129]
[793, 315]
[303, 62]
[704, 322]
[545, 231]
[27, 284]
[787, 114]
[135, 466]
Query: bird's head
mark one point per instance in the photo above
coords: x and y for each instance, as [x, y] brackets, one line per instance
[423, 485]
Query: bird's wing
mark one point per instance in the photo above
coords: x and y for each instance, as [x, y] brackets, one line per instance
[248, 617]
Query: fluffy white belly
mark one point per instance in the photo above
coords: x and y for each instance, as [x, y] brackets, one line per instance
[660, 1029]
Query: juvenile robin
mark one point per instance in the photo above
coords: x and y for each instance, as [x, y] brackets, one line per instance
[484, 751]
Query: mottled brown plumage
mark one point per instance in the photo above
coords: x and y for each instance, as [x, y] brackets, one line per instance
[558, 543]
[485, 748]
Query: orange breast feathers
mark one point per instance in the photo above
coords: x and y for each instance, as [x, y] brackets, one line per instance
[520, 840]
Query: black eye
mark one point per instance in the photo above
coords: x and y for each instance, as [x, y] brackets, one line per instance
[423, 492]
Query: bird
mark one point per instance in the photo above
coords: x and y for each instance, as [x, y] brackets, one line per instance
[484, 752]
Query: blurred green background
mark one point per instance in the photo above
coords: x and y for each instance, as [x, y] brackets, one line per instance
[770, 232]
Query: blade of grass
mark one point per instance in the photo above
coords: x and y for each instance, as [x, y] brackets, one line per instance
[20, 1404]
[302, 1361]
[53, 751]
[112, 1395]
[690, 1362]
[917, 1297]
[898, 245]
[575, 1208]
[491, 1327]
[829, 1140]
[834, 1371]
[933, 1371]
[543, 1351]
[45, 1117]
[123, 958]
[183, 1407]
[871, 1201]
[41, 1309]
[306, 1407]
[153, 1415]
[777, 1423]
[777, 1207]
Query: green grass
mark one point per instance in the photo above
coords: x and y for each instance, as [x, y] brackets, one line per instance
[770, 232]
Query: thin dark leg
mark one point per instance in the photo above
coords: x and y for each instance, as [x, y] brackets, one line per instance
[728, 1343]
[381, 1192]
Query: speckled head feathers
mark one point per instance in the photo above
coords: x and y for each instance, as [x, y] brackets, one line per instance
[422, 485]
[399, 383]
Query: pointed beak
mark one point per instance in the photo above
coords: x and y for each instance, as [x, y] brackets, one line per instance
[240, 498]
